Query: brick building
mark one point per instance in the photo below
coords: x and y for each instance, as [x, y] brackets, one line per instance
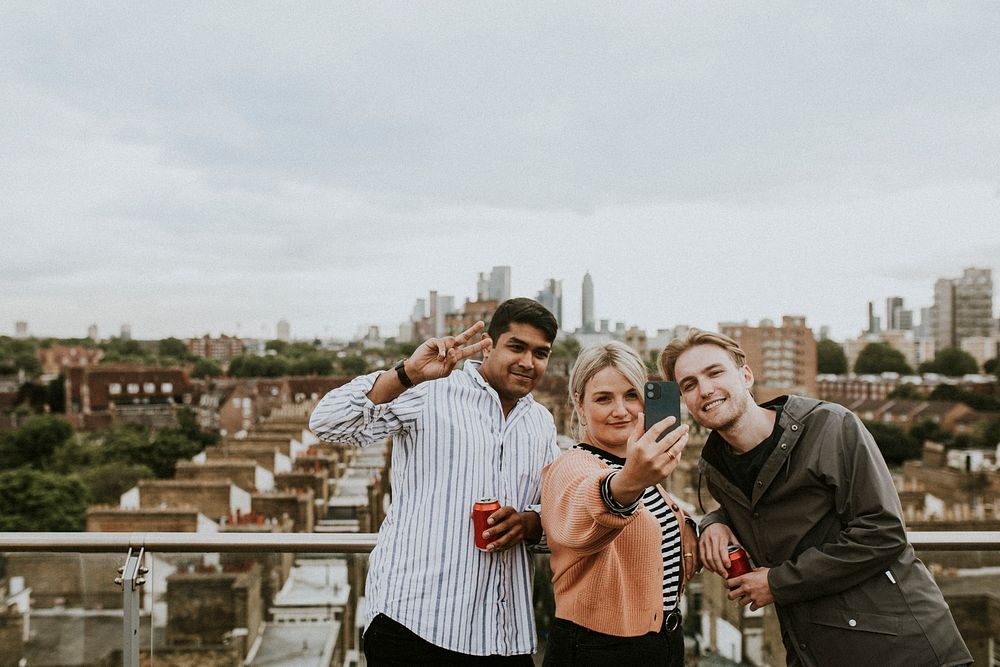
[99, 396]
[782, 358]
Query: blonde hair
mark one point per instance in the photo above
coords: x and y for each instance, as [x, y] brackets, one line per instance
[676, 347]
[595, 358]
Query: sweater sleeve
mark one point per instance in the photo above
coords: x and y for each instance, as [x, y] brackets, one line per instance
[865, 500]
[575, 516]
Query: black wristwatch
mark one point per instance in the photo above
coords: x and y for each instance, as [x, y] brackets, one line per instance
[404, 379]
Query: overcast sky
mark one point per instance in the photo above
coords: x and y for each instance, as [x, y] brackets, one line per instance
[193, 168]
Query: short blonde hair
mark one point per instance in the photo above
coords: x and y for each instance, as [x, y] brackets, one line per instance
[676, 347]
[595, 358]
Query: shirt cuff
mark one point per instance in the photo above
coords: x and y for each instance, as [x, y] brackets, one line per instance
[359, 388]
[613, 505]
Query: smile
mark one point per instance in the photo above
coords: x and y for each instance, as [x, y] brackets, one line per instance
[711, 405]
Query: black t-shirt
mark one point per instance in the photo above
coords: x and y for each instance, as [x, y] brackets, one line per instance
[742, 469]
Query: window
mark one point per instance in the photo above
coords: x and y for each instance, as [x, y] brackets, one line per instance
[167, 387]
[115, 388]
[149, 387]
[133, 387]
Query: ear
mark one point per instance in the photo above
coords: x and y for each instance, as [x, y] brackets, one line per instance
[489, 348]
[577, 404]
[747, 377]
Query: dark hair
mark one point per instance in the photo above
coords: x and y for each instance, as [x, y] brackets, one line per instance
[523, 311]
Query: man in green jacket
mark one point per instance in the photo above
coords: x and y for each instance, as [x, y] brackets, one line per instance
[803, 487]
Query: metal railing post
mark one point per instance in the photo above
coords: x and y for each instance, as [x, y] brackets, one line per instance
[132, 576]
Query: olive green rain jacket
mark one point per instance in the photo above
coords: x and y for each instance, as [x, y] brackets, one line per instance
[826, 518]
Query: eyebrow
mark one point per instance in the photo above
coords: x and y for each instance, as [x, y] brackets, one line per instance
[706, 369]
[518, 341]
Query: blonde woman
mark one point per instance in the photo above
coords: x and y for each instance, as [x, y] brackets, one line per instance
[622, 549]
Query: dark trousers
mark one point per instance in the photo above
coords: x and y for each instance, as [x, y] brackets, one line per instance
[388, 644]
[572, 645]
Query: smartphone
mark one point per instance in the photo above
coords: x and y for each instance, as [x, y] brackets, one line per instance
[663, 399]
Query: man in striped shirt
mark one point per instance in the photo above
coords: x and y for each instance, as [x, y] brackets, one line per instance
[458, 435]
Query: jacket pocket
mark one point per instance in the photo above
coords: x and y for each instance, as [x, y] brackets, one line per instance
[838, 637]
[856, 621]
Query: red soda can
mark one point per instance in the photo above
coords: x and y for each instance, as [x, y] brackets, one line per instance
[739, 562]
[481, 511]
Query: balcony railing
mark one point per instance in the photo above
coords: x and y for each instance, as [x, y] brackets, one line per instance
[132, 546]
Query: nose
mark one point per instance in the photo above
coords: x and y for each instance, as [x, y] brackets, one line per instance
[619, 409]
[526, 360]
[705, 388]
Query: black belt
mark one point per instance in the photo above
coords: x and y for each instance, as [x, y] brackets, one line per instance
[672, 620]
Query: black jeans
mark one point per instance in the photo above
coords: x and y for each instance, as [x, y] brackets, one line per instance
[572, 645]
[388, 644]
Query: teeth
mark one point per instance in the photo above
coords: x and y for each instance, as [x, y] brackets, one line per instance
[709, 406]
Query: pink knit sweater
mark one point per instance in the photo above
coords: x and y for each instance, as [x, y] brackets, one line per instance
[607, 570]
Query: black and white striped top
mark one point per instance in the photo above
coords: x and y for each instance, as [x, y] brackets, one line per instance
[670, 546]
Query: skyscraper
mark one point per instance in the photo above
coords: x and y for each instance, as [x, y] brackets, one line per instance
[551, 298]
[92, 332]
[963, 307]
[500, 283]
[21, 329]
[588, 303]
[284, 330]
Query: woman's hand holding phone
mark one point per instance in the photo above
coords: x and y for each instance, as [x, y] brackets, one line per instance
[648, 461]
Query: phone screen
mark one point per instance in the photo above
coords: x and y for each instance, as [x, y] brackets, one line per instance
[662, 400]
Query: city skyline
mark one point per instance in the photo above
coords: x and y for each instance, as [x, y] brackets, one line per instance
[209, 171]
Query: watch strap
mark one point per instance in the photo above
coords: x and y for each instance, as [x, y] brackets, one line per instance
[404, 379]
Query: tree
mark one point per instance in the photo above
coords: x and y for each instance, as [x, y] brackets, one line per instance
[928, 430]
[353, 365]
[881, 358]
[947, 392]
[206, 368]
[32, 500]
[106, 482]
[951, 362]
[895, 444]
[905, 391]
[830, 357]
[166, 449]
[173, 347]
[35, 442]
[993, 366]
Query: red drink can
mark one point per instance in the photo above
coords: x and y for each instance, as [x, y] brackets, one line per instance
[739, 562]
[481, 510]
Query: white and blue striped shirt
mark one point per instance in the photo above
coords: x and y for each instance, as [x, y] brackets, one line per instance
[451, 446]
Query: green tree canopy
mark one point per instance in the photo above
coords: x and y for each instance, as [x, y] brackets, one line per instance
[106, 482]
[31, 500]
[881, 358]
[830, 357]
[159, 453]
[948, 392]
[993, 366]
[929, 430]
[35, 442]
[905, 391]
[951, 362]
[173, 347]
[895, 444]
[206, 368]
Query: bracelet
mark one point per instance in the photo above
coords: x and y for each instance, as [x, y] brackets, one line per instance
[404, 379]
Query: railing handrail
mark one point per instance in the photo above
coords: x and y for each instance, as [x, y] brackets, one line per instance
[236, 542]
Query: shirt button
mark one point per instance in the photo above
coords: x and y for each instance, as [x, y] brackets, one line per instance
[852, 623]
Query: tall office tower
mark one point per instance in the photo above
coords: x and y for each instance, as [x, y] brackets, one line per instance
[500, 284]
[20, 329]
[551, 298]
[126, 332]
[893, 306]
[92, 332]
[419, 310]
[483, 287]
[588, 303]
[783, 359]
[284, 330]
[874, 322]
[963, 307]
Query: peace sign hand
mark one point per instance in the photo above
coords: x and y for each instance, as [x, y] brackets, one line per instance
[437, 357]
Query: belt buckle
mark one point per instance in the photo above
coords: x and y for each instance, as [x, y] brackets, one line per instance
[672, 621]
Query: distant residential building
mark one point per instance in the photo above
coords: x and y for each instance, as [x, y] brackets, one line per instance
[551, 297]
[126, 332]
[224, 348]
[99, 396]
[495, 286]
[914, 350]
[284, 331]
[963, 307]
[21, 329]
[782, 358]
[56, 359]
[982, 348]
[897, 318]
[472, 312]
[588, 304]
[92, 332]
